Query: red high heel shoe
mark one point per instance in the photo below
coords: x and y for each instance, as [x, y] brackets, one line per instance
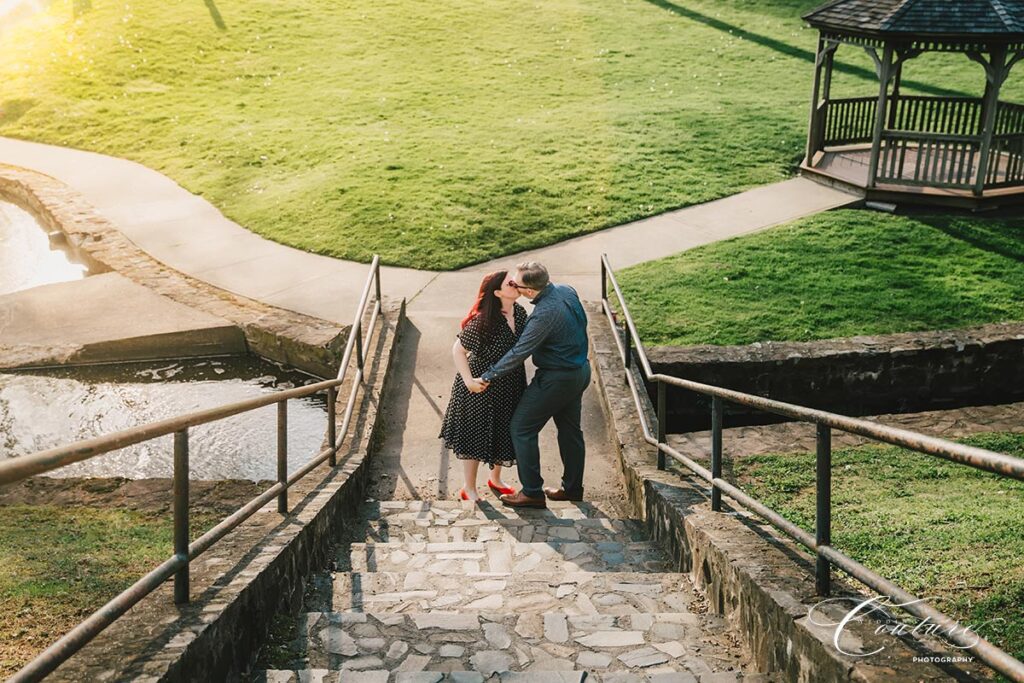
[465, 496]
[500, 490]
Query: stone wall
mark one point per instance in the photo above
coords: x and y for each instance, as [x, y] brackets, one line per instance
[255, 572]
[894, 373]
[762, 582]
[284, 336]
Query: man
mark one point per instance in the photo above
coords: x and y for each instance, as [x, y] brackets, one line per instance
[556, 336]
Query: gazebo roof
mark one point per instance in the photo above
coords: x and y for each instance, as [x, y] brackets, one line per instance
[967, 18]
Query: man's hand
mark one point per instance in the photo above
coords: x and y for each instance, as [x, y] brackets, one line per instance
[476, 385]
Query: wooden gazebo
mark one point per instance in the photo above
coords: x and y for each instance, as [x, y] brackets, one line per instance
[888, 146]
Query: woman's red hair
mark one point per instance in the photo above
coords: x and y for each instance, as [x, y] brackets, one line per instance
[487, 306]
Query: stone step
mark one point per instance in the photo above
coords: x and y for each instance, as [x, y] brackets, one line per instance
[488, 509]
[538, 529]
[574, 593]
[500, 642]
[384, 676]
[502, 557]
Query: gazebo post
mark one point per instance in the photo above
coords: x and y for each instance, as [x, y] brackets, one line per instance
[812, 126]
[995, 74]
[830, 60]
[897, 78]
[823, 62]
[884, 76]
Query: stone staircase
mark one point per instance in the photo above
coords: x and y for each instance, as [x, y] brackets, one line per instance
[431, 591]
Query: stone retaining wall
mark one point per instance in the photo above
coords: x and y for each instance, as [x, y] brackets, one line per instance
[255, 572]
[761, 582]
[298, 340]
[894, 373]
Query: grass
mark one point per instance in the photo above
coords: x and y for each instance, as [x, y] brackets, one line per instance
[59, 564]
[837, 274]
[440, 135]
[280, 651]
[933, 527]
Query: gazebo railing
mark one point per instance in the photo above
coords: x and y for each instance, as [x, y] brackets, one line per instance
[1009, 118]
[1006, 163]
[929, 159]
[930, 141]
[852, 120]
[943, 115]
[848, 121]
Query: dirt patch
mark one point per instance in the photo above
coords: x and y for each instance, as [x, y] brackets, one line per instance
[141, 495]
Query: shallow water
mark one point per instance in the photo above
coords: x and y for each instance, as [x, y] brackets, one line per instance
[26, 257]
[40, 410]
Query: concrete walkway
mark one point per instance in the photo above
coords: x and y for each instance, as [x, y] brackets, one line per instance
[676, 231]
[189, 234]
[102, 317]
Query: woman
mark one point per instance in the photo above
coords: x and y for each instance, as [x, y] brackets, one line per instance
[476, 425]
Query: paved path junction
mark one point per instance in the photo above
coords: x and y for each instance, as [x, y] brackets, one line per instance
[189, 234]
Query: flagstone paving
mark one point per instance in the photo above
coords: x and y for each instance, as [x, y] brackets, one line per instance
[573, 593]
[452, 591]
[449, 522]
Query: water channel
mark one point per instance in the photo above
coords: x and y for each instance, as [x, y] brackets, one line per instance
[44, 409]
[27, 258]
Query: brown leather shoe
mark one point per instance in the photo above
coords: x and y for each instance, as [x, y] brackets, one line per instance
[518, 500]
[560, 494]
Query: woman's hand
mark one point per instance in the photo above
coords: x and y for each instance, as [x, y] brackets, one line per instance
[475, 384]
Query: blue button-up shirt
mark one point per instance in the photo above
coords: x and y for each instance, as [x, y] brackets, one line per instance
[555, 334]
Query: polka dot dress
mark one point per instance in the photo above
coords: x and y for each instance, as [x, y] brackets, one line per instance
[476, 426]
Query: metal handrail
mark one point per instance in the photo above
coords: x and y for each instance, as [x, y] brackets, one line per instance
[17, 469]
[628, 342]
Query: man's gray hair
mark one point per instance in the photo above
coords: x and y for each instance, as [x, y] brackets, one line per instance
[533, 275]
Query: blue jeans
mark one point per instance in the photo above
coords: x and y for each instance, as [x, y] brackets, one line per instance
[554, 394]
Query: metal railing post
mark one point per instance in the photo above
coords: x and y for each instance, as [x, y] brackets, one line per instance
[604, 281]
[282, 455]
[359, 344]
[716, 452]
[823, 515]
[376, 287]
[661, 424]
[332, 433]
[181, 577]
[628, 353]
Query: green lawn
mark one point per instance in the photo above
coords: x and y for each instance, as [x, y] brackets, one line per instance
[837, 274]
[933, 527]
[437, 135]
[59, 564]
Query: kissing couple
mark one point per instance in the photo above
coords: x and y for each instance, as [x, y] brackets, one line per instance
[493, 416]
